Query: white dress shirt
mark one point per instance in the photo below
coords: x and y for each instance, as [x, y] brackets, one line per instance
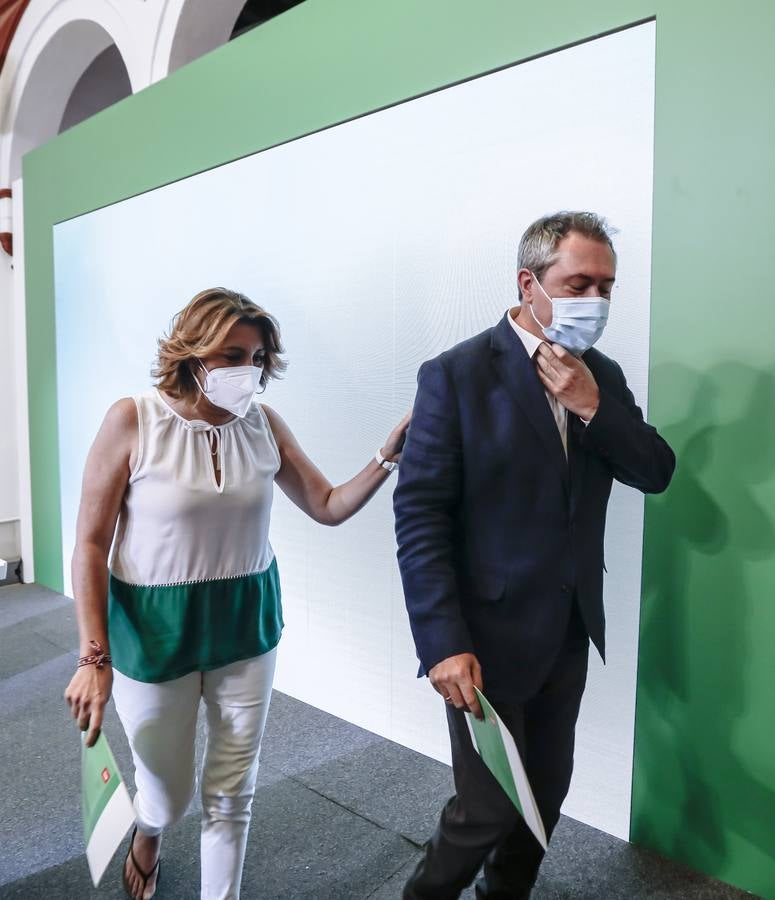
[531, 344]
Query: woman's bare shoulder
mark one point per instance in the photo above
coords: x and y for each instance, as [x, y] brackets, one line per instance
[275, 419]
[121, 416]
[117, 434]
[280, 430]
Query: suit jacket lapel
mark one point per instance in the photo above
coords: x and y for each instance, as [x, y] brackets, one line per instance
[518, 373]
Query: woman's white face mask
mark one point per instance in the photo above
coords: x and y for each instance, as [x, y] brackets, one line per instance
[232, 388]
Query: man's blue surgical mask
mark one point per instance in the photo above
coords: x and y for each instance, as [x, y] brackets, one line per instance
[576, 323]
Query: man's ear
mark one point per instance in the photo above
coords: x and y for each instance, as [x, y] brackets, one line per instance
[525, 280]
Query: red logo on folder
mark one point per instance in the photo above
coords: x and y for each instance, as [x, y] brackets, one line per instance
[105, 776]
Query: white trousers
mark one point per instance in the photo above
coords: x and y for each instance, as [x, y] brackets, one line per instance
[160, 723]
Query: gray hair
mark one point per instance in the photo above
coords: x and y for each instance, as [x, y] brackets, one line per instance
[538, 245]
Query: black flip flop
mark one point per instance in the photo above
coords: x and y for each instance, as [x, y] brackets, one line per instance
[144, 875]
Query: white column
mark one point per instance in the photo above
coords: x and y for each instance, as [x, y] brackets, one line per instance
[9, 494]
[19, 382]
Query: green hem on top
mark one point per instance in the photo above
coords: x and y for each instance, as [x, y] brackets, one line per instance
[161, 632]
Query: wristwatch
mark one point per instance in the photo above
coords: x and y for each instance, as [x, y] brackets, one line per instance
[385, 463]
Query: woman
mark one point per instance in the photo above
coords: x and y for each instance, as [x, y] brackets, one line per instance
[189, 608]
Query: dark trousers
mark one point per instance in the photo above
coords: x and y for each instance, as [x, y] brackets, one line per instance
[479, 825]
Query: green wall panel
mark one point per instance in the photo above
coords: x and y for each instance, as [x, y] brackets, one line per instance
[704, 778]
[704, 785]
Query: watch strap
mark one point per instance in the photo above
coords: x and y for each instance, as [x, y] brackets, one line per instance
[385, 463]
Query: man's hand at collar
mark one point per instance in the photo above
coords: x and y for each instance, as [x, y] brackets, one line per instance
[568, 379]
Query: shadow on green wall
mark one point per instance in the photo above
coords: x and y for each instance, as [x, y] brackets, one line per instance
[697, 789]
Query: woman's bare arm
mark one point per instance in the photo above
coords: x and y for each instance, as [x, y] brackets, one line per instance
[312, 492]
[105, 479]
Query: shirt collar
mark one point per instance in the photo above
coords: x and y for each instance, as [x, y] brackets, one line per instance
[529, 340]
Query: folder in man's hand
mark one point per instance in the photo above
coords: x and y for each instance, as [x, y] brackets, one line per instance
[105, 805]
[494, 743]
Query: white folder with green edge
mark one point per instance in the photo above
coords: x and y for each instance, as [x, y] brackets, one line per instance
[105, 805]
[494, 743]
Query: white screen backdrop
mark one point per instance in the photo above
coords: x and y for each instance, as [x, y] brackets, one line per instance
[377, 244]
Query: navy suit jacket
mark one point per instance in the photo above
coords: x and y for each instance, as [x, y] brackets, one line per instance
[497, 530]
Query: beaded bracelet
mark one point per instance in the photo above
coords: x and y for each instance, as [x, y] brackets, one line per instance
[98, 658]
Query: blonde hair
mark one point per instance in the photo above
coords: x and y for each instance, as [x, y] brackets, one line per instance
[200, 328]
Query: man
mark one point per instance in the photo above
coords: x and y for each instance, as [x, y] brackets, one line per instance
[500, 511]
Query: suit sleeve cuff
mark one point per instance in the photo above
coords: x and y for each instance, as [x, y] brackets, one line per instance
[609, 421]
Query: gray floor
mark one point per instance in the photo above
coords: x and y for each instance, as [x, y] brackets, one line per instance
[339, 812]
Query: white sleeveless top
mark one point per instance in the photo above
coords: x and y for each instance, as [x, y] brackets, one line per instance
[177, 524]
[193, 580]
